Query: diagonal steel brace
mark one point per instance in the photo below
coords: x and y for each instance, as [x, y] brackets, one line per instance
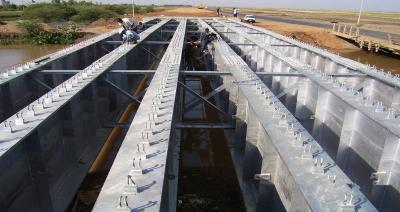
[203, 99]
[207, 97]
[122, 91]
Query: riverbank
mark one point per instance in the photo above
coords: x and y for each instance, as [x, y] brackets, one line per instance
[11, 55]
[14, 54]
[311, 35]
[323, 38]
[379, 21]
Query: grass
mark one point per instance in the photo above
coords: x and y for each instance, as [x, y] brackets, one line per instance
[72, 11]
[67, 12]
[10, 15]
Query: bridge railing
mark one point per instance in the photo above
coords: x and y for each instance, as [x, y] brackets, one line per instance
[346, 29]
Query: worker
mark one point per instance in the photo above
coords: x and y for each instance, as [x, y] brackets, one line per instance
[234, 12]
[206, 37]
[139, 28]
[218, 11]
[129, 30]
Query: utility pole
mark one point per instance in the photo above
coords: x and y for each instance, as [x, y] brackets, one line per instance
[133, 8]
[359, 14]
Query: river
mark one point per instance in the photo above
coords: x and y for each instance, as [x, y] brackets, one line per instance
[380, 61]
[13, 55]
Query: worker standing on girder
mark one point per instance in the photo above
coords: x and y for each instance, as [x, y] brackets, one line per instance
[206, 37]
[218, 11]
[129, 30]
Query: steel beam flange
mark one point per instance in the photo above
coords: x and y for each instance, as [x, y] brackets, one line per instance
[318, 181]
[376, 111]
[387, 77]
[14, 72]
[20, 125]
[19, 70]
[137, 174]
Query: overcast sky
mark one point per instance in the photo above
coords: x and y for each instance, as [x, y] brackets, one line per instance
[372, 5]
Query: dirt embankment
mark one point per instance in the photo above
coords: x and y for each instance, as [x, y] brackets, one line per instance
[311, 35]
[380, 21]
[182, 11]
[103, 25]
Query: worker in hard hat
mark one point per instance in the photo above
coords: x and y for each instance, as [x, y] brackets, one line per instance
[129, 30]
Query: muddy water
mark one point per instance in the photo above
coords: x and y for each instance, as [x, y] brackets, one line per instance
[207, 179]
[387, 63]
[13, 55]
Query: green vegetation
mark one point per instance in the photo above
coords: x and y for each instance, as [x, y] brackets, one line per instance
[34, 32]
[79, 11]
[70, 10]
[59, 11]
[6, 42]
[10, 15]
[65, 12]
[148, 9]
[11, 7]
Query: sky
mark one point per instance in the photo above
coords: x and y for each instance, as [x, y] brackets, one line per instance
[370, 5]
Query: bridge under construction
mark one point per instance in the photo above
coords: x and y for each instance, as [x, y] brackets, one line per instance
[320, 130]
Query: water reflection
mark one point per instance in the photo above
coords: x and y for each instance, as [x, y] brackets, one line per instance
[207, 179]
[380, 61]
[13, 55]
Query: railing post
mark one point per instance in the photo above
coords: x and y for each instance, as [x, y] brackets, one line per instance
[390, 38]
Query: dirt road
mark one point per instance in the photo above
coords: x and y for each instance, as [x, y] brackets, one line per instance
[370, 21]
[311, 35]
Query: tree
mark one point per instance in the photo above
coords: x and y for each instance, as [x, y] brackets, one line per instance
[4, 3]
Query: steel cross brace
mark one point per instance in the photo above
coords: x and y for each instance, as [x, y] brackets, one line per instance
[140, 72]
[251, 44]
[296, 74]
[353, 65]
[385, 118]
[122, 91]
[149, 142]
[153, 42]
[289, 88]
[380, 118]
[48, 104]
[151, 53]
[40, 82]
[193, 104]
[204, 126]
[204, 99]
[307, 187]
